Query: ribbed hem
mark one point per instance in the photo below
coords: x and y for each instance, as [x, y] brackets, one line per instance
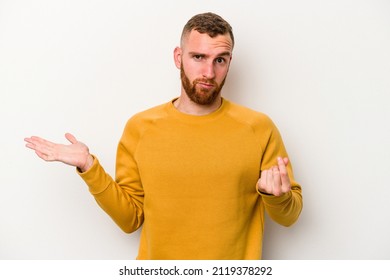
[95, 177]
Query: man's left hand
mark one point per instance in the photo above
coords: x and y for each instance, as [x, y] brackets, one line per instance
[275, 181]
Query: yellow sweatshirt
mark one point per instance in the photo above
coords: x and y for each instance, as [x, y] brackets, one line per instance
[190, 182]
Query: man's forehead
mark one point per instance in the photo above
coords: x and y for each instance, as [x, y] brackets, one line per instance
[196, 41]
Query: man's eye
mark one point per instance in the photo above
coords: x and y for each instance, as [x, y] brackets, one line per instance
[220, 60]
[197, 56]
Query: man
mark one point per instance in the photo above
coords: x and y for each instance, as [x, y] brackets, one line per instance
[188, 170]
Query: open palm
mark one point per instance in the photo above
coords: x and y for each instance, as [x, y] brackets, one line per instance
[75, 154]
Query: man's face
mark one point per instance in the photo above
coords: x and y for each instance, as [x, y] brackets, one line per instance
[204, 64]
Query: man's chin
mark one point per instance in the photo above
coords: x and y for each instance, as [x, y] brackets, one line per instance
[204, 98]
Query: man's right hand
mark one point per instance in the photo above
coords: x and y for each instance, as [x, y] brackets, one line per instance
[76, 154]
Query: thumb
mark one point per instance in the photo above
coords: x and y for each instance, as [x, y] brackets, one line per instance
[71, 138]
[285, 160]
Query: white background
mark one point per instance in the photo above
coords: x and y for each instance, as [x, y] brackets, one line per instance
[319, 69]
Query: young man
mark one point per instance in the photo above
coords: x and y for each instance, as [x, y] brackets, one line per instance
[188, 170]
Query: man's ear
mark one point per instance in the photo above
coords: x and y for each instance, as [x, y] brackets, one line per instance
[177, 57]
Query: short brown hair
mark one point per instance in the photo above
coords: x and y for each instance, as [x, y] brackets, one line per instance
[209, 23]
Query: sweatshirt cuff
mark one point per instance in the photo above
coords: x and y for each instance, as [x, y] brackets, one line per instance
[270, 199]
[95, 177]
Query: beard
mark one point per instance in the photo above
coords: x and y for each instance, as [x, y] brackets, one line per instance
[200, 96]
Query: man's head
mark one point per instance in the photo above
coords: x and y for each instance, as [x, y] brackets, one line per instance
[209, 23]
[204, 57]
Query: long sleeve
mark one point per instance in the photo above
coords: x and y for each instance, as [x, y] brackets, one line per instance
[122, 198]
[285, 209]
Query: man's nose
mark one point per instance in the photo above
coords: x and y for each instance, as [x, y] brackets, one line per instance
[208, 70]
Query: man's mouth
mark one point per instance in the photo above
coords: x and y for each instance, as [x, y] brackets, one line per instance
[205, 85]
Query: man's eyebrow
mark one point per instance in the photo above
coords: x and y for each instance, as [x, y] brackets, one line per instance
[227, 53]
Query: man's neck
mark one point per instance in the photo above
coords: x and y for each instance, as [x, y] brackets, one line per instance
[187, 106]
